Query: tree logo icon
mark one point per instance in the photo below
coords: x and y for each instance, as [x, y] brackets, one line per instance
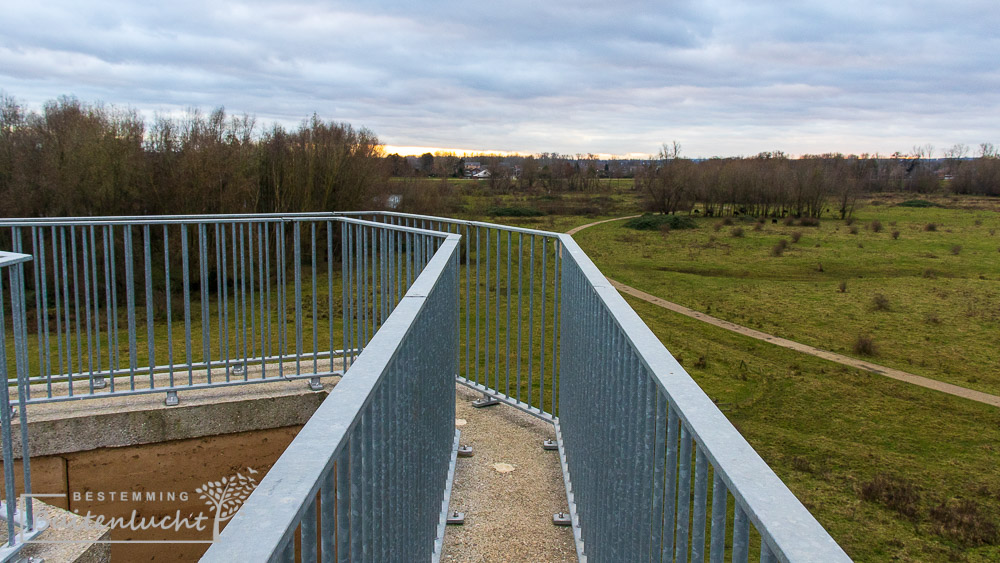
[227, 495]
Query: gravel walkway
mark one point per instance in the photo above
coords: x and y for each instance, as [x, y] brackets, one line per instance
[508, 514]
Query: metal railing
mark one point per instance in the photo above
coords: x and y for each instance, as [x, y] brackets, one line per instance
[642, 441]
[639, 441]
[20, 522]
[530, 322]
[365, 479]
[126, 305]
[508, 322]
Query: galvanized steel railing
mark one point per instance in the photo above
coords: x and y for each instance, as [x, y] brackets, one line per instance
[20, 522]
[125, 305]
[365, 479]
[531, 322]
[509, 308]
[639, 440]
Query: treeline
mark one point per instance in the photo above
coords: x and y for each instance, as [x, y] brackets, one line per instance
[770, 184]
[77, 159]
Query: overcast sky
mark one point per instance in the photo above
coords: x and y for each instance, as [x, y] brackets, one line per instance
[721, 77]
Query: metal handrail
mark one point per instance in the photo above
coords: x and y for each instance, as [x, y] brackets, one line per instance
[376, 452]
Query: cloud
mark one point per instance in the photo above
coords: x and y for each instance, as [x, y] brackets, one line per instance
[722, 77]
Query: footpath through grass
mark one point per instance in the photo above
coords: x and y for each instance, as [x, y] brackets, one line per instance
[921, 285]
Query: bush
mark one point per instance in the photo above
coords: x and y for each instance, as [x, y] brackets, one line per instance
[788, 221]
[895, 235]
[650, 222]
[842, 288]
[796, 236]
[875, 226]
[514, 212]
[962, 521]
[779, 249]
[809, 222]
[865, 346]
[930, 274]
[956, 249]
[880, 302]
[894, 492]
[854, 230]
[737, 232]
[930, 227]
[918, 203]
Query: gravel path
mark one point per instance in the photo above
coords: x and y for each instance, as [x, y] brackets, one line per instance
[508, 515]
[892, 373]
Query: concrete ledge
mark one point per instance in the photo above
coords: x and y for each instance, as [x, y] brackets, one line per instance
[74, 543]
[113, 421]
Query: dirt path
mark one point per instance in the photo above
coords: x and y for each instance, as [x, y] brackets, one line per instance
[896, 374]
[575, 230]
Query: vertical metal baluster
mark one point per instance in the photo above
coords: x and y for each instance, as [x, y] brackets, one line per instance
[85, 248]
[488, 317]
[5, 417]
[700, 504]
[58, 294]
[670, 501]
[683, 496]
[556, 276]
[297, 266]
[315, 308]
[254, 298]
[42, 295]
[186, 281]
[166, 278]
[344, 507]
[205, 321]
[717, 551]
[97, 305]
[477, 306]
[150, 334]
[223, 269]
[243, 298]
[766, 555]
[741, 535]
[307, 533]
[541, 327]
[520, 295]
[76, 300]
[280, 251]
[496, 323]
[133, 362]
[531, 313]
[507, 326]
[264, 265]
[363, 274]
[112, 295]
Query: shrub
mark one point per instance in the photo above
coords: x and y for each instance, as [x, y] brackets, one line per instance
[809, 222]
[650, 222]
[894, 492]
[930, 227]
[865, 346]
[788, 221]
[895, 235]
[875, 226]
[918, 203]
[796, 236]
[880, 302]
[717, 227]
[737, 232]
[956, 249]
[779, 249]
[758, 226]
[962, 521]
[854, 230]
[513, 211]
[727, 222]
[930, 273]
[849, 221]
[842, 288]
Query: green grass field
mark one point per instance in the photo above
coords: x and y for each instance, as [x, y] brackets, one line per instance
[893, 471]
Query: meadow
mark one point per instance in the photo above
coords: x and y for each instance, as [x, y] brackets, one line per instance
[893, 471]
